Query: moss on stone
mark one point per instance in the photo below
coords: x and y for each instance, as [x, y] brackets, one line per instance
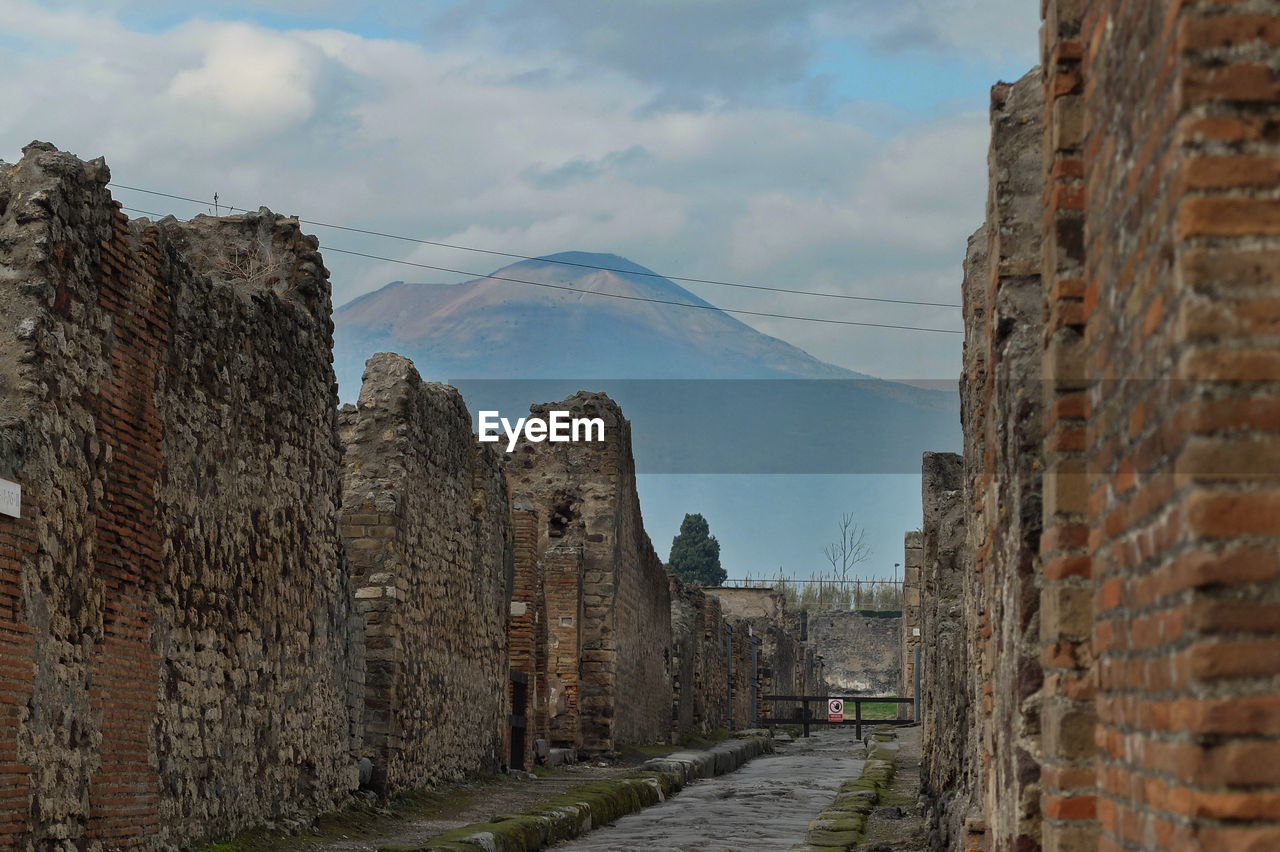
[842, 824]
[560, 818]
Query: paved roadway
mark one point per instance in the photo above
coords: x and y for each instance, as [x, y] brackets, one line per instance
[763, 807]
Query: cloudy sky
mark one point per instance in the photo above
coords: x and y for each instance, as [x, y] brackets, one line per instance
[832, 145]
[829, 145]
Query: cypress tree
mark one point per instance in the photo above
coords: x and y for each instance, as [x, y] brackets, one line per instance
[695, 553]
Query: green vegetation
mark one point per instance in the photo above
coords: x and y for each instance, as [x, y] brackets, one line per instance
[879, 710]
[359, 820]
[695, 553]
[571, 813]
[843, 823]
[824, 591]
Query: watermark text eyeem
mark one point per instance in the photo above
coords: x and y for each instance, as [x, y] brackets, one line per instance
[559, 426]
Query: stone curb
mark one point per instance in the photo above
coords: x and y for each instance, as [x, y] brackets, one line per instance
[594, 803]
[719, 759]
[843, 823]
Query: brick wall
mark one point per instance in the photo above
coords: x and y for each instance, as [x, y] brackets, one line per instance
[585, 491]
[1067, 753]
[1146, 719]
[1181, 282]
[527, 627]
[563, 576]
[176, 577]
[425, 521]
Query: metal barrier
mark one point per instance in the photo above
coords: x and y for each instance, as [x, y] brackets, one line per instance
[803, 714]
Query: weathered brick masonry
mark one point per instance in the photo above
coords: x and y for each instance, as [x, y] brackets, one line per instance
[1121, 571]
[527, 625]
[176, 576]
[426, 525]
[617, 617]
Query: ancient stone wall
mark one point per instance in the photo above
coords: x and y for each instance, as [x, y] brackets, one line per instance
[699, 680]
[815, 672]
[744, 697]
[527, 626]
[1006, 480]
[779, 662]
[760, 605]
[586, 493]
[176, 576]
[426, 525]
[949, 770]
[913, 557]
[862, 651]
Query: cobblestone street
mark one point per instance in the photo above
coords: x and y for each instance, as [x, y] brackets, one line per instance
[764, 806]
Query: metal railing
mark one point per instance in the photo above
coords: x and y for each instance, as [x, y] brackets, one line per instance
[804, 715]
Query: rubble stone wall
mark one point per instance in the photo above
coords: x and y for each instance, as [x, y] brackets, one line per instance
[862, 652]
[426, 524]
[176, 576]
[913, 557]
[699, 673]
[949, 768]
[1010, 499]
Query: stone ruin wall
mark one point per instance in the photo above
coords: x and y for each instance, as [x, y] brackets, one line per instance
[176, 577]
[779, 655]
[528, 631]
[909, 645]
[1122, 611]
[426, 525]
[585, 491]
[862, 653]
[949, 769]
[744, 696]
[699, 666]
[170, 408]
[1003, 484]
[641, 701]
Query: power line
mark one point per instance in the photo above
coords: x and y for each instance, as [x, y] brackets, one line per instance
[561, 262]
[335, 250]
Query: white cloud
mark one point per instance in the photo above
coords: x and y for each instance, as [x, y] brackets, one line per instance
[250, 82]
[453, 145]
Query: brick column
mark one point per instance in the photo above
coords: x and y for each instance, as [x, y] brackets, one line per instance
[1066, 611]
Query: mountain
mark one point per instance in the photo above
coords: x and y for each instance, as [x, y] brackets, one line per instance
[506, 344]
[489, 328]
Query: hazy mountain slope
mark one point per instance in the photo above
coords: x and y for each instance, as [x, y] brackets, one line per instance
[490, 329]
[506, 345]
